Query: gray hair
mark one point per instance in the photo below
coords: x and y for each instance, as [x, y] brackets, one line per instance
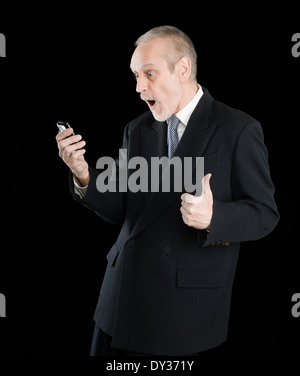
[181, 43]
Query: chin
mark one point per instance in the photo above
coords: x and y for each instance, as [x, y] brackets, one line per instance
[161, 116]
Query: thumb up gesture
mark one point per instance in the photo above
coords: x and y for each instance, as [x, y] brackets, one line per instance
[197, 211]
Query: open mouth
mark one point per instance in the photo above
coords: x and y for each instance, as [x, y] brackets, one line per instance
[151, 102]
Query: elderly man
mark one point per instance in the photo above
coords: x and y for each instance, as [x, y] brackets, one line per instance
[167, 286]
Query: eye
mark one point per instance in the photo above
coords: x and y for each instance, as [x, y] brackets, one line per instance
[135, 75]
[150, 73]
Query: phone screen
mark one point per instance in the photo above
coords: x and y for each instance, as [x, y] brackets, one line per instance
[63, 125]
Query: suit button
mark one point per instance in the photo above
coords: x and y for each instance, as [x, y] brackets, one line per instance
[166, 250]
[227, 244]
[212, 243]
[218, 243]
[131, 243]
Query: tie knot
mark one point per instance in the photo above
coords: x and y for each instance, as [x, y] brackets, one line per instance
[173, 122]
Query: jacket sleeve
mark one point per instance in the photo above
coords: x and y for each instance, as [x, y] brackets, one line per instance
[110, 206]
[252, 213]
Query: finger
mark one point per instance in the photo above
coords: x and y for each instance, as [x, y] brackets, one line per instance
[69, 151]
[205, 184]
[189, 199]
[188, 208]
[70, 159]
[69, 141]
[66, 133]
[73, 147]
[185, 215]
[183, 211]
[78, 153]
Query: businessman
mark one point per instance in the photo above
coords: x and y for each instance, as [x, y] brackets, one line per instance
[168, 282]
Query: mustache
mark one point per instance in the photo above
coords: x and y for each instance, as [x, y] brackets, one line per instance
[146, 98]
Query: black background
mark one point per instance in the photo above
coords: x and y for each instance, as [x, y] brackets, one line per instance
[74, 65]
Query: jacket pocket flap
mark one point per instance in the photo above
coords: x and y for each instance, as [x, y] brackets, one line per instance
[200, 277]
[112, 254]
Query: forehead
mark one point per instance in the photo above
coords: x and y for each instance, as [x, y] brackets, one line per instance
[149, 54]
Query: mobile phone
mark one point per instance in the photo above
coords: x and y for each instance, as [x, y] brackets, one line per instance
[63, 125]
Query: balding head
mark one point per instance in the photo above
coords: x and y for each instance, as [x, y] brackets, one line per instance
[178, 45]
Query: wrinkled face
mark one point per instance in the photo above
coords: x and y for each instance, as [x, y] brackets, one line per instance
[158, 87]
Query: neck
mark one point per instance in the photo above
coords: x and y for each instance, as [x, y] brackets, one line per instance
[189, 92]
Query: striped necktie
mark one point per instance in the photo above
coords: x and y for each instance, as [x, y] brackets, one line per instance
[173, 136]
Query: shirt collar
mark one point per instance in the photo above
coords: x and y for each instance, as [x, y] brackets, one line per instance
[185, 113]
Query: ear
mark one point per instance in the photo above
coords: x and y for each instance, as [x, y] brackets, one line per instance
[184, 68]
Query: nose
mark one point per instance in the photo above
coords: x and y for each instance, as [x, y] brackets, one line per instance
[141, 84]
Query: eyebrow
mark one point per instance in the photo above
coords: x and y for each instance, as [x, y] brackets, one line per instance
[145, 66]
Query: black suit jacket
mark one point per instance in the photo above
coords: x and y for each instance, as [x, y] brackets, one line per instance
[167, 286]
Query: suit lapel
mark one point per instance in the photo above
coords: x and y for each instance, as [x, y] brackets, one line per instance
[154, 139]
[153, 143]
[192, 144]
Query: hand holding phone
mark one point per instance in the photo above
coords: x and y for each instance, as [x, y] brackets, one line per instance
[63, 125]
[71, 151]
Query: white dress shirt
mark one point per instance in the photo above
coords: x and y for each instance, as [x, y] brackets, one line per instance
[185, 113]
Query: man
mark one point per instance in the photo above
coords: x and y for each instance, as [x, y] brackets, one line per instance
[167, 287]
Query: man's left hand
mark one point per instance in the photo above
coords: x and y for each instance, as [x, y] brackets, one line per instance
[197, 211]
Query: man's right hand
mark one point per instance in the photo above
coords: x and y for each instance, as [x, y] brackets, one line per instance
[72, 152]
